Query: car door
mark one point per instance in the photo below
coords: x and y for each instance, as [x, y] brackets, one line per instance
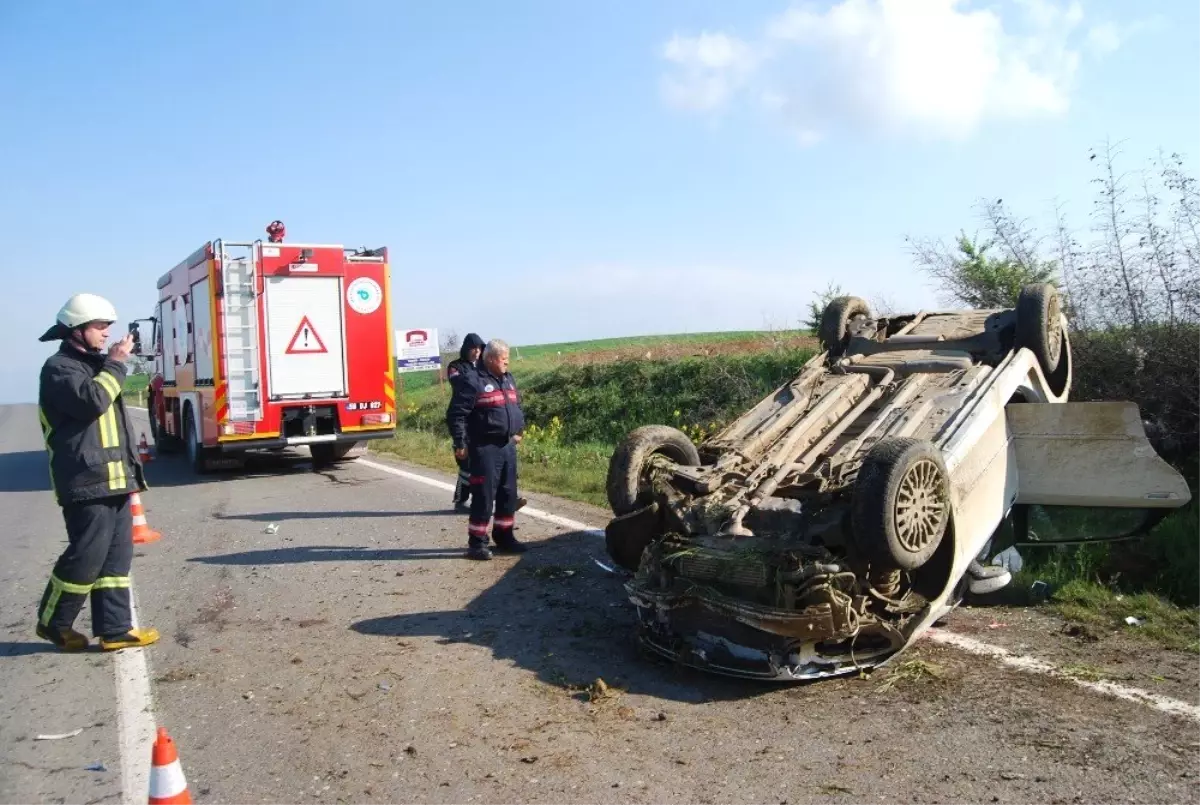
[1086, 472]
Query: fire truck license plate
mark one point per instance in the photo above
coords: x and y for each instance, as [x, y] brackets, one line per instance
[364, 406]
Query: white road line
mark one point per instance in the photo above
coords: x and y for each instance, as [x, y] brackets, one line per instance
[1020, 662]
[1024, 662]
[574, 525]
[135, 719]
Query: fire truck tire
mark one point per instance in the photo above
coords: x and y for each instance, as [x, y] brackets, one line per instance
[332, 453]
[163, 442]
[197, 454]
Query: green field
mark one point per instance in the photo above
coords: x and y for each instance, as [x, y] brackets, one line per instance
[530, 359]
[135, 388]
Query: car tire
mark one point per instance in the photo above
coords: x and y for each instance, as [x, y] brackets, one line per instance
[627, 485]
[1039, 325]
[835, 322]
[901, 506]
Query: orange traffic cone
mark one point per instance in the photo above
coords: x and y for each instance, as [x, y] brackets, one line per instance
[144, 450]
[142, 532]
[167, 783]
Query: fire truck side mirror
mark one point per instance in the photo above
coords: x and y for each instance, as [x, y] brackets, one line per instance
[137, 338]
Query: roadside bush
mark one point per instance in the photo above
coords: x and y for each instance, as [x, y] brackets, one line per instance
[603, 402]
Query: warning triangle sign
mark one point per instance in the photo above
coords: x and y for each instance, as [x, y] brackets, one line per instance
[306, 341]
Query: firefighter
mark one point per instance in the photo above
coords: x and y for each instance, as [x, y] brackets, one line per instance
[94, 468]
[486, 424]
[468, 361]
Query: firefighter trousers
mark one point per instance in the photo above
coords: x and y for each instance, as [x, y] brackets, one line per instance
[96, 562]
[493, 488]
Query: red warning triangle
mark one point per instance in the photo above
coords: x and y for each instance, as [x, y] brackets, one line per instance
[306, 341]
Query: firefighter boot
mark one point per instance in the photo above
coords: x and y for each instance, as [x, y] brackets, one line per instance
[65, 639]
[479, 552]
[131, 639]
[506, 541]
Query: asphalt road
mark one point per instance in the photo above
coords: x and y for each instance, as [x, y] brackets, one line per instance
[352, 655]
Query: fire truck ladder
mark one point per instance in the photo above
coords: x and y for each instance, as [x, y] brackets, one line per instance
[240, 325]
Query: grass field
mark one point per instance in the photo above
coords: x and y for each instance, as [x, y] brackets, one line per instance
[532, 359]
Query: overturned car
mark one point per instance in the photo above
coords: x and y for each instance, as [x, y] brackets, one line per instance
[826, 528]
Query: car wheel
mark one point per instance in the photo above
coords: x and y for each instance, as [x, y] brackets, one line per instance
[901, 506]
[628, 483]
[835, 322]
[1039, 325]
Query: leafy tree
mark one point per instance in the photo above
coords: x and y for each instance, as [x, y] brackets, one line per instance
[986, 273]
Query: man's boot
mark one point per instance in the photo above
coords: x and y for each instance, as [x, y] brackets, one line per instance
[477, 549]
[65, 639]
[131, 639]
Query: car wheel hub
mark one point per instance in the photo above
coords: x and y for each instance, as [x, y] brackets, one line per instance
[920, 506]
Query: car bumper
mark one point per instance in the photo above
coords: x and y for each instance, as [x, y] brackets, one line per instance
[696, 634]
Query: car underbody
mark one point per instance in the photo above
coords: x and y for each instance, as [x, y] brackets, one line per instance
[819, 532]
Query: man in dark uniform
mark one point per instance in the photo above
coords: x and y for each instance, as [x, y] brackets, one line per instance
[468, 361]
[94, 468]
[486, 424]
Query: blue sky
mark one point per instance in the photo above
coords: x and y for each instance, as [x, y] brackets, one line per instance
[557, 170]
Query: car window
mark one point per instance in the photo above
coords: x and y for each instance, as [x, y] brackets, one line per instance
[1074, 524]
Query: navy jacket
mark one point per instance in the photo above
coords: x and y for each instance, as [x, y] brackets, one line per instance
[485, 409]
[88, 437]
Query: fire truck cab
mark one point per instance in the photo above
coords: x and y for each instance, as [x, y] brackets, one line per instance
[269, 346]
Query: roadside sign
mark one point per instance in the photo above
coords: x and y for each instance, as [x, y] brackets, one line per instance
[417, 350]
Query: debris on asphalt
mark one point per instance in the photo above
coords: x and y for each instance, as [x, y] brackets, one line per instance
[248, 695]
[271, 529]
[96, 767]
[604, 566]
[59, 736]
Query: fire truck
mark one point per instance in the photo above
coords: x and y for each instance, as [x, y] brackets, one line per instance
[270, 346]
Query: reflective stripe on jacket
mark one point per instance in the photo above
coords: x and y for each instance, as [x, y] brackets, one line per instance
[91, 446]
[485, 409]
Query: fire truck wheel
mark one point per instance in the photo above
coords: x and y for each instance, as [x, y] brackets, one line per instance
[331, 453]
[196, 453]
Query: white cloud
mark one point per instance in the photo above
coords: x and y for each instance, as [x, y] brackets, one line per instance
[930, 68]
[710, 68]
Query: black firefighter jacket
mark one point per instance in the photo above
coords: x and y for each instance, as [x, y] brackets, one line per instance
[485, 409]
[91, 446]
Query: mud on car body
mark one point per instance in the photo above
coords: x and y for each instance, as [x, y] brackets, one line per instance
[826, 528]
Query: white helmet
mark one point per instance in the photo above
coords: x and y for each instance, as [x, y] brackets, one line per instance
[79, 310]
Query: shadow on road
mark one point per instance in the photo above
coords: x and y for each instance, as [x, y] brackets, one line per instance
[327, 553]
[172, 470]
[24, 648]
[279, 517]
[558, 614]
[24, 471]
